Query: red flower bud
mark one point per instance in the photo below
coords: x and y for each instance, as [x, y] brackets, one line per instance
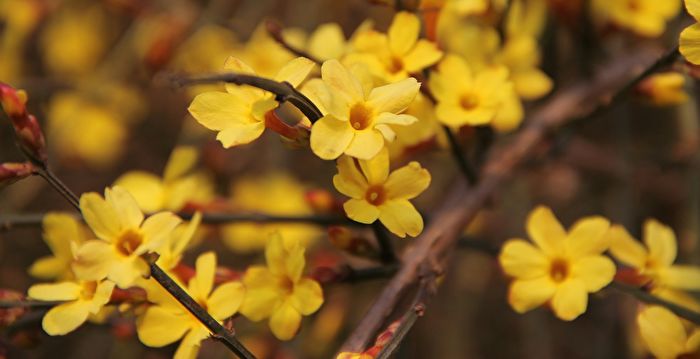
[12, 172]
[28, 132]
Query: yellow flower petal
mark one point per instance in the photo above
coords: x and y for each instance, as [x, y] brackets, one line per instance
[407, 182]
[100, 216]
[662, 331]
[693, 7]
[361, 211]
[285, 321]
[55, 291]
[545, 230]
[330, 137]
[49, 268]
[276, 255]
[60, 230]
[532, 84]
[594, 271]
[240, 134]
[160, 326]
[349, 180]
[295, 71]
[225, 300]
[424, 54]
[376, 169]
[295, 262]
[343, 86]
[625, 248]
[189, 347]
[201, 284]
[570, 299]
[317, 92]
[522, 260]
[365, 144]
[395, 97]
[455, 116]
[392, 119]
[219, 110]
[156, 230]
[93, 260]
[307, 296]
[146, 188]
[65, 318]
[102, 295]
[588, 237]
[128, 211]
[661, 242]
[401, 218]
[680, 277]
[403, 32]
[327, 42]
[527, 294]
[125, 272]
[181, 161]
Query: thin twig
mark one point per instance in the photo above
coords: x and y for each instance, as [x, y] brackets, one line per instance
[218, 331]
[8, 222]
[464, 165]
[59, 186]
[649, 298]
[275, 30]
[283, 90]
[386, 249]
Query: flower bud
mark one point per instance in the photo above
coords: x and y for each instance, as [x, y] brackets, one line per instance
[28, 132]
[11, 172]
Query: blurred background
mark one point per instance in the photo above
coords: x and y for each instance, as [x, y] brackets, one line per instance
[97, 77]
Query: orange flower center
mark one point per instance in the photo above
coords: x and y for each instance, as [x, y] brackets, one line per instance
[559, 270]
[633, 5]
[469, 101]
[88, 290]
[396, 64]
[287, 285]
[375, 195]
[128, 242]
[360, 116]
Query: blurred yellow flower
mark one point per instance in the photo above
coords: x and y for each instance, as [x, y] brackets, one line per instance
[399, 53]
[264, 54]
[123, 236]
[179, 185]
[63, 234]
[327, 42]
[561, 267]
[664, 89]
[74, 40]
[82, 130]
[240, 113]
[82, 298]
[654, 262]
[19, 17]
[279, 291]
[426, 128]
[689, 42]
[166, 321]
[666, 335]
[358, 115]
[644, 17]
[376, 194]
[170, 254]
[275, 194]
[477, 99]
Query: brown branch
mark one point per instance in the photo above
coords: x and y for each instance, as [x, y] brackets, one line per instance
[462, 205]
[283, 90]
[275, 30]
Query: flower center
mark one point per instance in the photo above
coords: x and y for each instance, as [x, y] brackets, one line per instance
[632, 5]
[469, 101]
[375, 195]
[396, 64]
[88, 290]
[360, 116]
[558, 270]
[287, 285]
[128, 242]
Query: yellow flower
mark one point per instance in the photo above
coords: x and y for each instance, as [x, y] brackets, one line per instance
[666, 335]
[82, 130]
[689, 42]
[74, 40]
[664, 89]
[83, 298]
[476, 99]
[180, 184]
[63, 234]
[421, 131]
[376, 194]
[644, 17]
[170, 254]
[123, 236]
[275, 194]
[166, 321]
[327, 42]
[655, 262]
[279, 291]
[561, 267]
[358, 115]
[265, 54]
[399, 53]
[239, 113]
